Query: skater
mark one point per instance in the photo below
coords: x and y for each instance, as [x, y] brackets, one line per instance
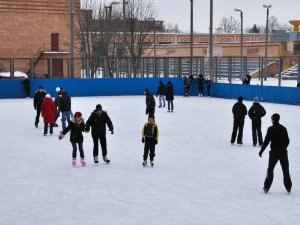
[58, 91]
[161, 92]
[98, 121]
[150, 103]
[170, 96]
[239, 111]
[186, 86]
[26, 83]
[150, 138]
[200, 83]
[65, 108]
[278, 136]
[48, 113]
[37, 103]
[208, 82]
[76, 126]
[256, 112]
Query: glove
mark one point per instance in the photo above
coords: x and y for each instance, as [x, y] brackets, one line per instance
[260, 153]
[143, 140]
[111, 131]
[61, 136]
[155, 141]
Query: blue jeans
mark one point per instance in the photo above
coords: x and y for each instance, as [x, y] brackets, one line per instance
[65, 116]
[162, 100]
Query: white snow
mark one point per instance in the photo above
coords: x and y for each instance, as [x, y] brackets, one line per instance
[17, 74]
[198, 177]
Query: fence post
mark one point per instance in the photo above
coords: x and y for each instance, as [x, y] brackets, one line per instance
[230, 69]
[280, 71]
[50, 69]
[298, 79]
[11, 68]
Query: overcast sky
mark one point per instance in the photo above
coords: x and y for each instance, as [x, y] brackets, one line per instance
[178, 11]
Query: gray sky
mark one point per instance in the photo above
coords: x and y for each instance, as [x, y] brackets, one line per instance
[178, 11]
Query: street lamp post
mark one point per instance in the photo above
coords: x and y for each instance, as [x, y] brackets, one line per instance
[211, 40]
[72, 38]
[154, 45]
[191, 37]
[266, 42]
[241, 54]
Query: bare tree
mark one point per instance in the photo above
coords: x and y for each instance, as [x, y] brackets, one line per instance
[136, 35]
[228, 25]
[275, 25]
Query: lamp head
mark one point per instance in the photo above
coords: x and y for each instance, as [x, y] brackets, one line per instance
[267, 6]
[237, 10]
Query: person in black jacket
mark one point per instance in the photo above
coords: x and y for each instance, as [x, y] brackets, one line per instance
[239, 111]
[27, 86]
[76, 126]
[200, 83]
[37, 103]
[256, 112]
[161, 92]
[58, 91]
[98, 121]
[170, 96]
[278, 136]
[65, 108]
[150, 103]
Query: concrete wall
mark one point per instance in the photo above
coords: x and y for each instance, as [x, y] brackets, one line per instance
[135, 86]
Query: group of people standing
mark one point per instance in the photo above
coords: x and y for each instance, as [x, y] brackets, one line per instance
[277, 135]
[201, 82]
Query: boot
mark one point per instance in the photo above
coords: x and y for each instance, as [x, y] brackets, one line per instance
[45, 129]
[106, 159]
[83, 163]
[151, 163]
[145, 163]
[96, 159]
[74, 162]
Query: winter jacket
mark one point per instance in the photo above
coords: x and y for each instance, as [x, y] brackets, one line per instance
[239, 111]
[65, 102]
[150, 130]
[169, 92]
[161, 90]
[278, 136]
[98, 123]
[76, 129]
[150, 102]
[48, 110]
[256, 111]
[38, 99]
[27, 84]
[200, 82]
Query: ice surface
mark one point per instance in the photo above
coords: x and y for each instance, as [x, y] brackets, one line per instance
[198, 177]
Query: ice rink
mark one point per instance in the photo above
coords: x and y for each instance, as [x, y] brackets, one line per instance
[198, 177]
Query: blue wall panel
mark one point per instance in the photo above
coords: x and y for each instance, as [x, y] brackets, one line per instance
[135, 86]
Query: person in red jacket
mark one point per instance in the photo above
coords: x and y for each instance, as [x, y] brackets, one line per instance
[48, 113]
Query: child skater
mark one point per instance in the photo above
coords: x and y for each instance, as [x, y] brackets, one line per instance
[150, 138]
[76, 126]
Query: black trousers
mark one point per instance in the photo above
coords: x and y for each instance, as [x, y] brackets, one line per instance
[237, 125]
[37, 117]
[46, 125]
[102, 143]
[149, 147]
[208, 90]
[256, 131]
[170, 103]
[282, 157]
[74, 153]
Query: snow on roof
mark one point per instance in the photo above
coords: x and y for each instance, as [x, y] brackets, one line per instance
[16, 74]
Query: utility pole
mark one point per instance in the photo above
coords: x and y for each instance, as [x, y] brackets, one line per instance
[191, 37]
[211, 41]
[72, 39]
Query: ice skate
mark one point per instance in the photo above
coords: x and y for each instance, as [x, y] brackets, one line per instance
[83, 163]
[96, 159]
[106, 159]
[265, 190]
[151, 163]
[145, 163]
[74, 162]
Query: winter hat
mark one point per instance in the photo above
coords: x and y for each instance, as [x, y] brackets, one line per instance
[240, 99]
[41, 87]
[275, 117]
[98, 107]
[256, 99]
[78, 115]
[57, 89]
[48, 96]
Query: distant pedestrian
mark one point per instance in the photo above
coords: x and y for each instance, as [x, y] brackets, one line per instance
[239, 111]
[98, 121]
[48, 113]
[37, 103]
[298, 84]
[76, 126]
[200, 83]
[150, 138]
[278, 136]
[256, 112]
[186, 87]
[161, 92]
[58, 96]
[208, 82]
[170, 96]
[65, 108]
[150, 103]
[26, 83]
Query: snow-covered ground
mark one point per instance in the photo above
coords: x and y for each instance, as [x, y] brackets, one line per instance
[198, 177]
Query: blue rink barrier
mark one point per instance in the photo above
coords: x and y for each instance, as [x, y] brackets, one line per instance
[135, 86]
